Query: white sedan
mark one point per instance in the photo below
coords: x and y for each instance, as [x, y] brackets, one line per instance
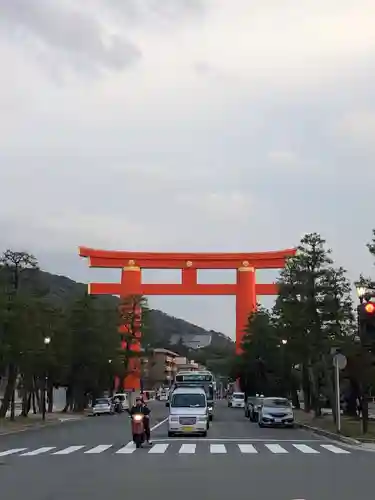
[237, 400]
[276, 412]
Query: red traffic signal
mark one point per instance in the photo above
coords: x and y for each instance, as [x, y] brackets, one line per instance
[370, 308]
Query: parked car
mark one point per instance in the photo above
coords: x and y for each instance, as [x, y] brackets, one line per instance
[102, 406]
[276, 412]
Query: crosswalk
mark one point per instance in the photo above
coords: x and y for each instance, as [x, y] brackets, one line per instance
[179, 448]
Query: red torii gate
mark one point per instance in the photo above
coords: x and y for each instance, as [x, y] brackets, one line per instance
[245, 289]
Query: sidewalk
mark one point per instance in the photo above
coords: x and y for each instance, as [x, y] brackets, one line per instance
[350, 427]
[34, 421]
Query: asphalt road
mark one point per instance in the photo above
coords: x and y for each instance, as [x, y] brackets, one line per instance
[93, 459]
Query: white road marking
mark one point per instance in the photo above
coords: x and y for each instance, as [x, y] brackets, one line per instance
[237, 440]
[185, 448]
[247, 448]
[276, 448]
[39, 451]
[217, 448]
[305, 449]
[334, 449]
[99, 449]
[129, 448]
[159, 448]
[68, 451]
[11, 452]
[188, 448]
[159, 424]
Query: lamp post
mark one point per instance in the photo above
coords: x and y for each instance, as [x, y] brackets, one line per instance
[47, 341]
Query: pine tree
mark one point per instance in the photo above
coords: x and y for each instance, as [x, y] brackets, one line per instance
[314, 312]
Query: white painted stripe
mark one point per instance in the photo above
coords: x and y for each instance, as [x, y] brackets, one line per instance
[334, 449]
[217, 448]
[159, 424]
[237, 440]
[305, 449]
[11, 452]
[68, 451]
[188, 448]
[39, 451]
[247, 448]
[159, 448]
[276, 448]
[99, 449]
[129, 448]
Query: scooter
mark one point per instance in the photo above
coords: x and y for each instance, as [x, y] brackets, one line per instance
[138, 429]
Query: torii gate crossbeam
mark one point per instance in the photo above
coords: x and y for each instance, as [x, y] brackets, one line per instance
[245, 289]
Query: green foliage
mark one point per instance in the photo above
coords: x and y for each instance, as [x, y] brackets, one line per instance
[75, 344]
[216, 359]
[291, 345]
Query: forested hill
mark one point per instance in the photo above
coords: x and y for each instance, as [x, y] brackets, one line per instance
[167, 331]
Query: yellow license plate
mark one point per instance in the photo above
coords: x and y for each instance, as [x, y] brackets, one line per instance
[188, 429]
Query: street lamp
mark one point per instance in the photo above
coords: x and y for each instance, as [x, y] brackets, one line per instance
[283, 342]
[46, 341]
[361, 292]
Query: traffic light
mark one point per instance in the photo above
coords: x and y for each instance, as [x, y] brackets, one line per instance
[366, 317]
[370, 308]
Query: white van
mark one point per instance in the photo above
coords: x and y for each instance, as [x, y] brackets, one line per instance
[188, 412]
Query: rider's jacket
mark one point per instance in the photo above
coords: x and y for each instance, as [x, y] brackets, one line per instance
[136, 409]
[139, 409]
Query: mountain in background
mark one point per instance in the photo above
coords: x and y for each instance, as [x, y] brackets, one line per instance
[167, 331]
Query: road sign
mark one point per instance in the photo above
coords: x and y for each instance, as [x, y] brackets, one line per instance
[339, 361]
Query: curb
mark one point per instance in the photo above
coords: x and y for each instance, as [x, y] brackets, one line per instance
[31, 427]
[328, 434]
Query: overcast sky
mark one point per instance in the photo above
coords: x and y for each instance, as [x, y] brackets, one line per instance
[176, 125]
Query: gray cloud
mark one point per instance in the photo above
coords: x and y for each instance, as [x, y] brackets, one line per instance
[268, 136]
[154, 11]
[76, 37]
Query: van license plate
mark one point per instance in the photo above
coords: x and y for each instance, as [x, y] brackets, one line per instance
[188, 429]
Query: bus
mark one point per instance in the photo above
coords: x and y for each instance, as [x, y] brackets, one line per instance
[203, 379]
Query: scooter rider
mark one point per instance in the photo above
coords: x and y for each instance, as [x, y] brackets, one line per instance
[137, 407]
[141, 407]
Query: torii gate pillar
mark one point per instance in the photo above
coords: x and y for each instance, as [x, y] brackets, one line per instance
[246, 302]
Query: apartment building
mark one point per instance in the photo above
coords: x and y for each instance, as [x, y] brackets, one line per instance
[159, 368]
[185, 364]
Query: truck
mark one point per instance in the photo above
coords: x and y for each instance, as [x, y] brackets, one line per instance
[204, 379]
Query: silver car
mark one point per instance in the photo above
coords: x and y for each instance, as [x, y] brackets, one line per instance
[276, 412]
[102, 406]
